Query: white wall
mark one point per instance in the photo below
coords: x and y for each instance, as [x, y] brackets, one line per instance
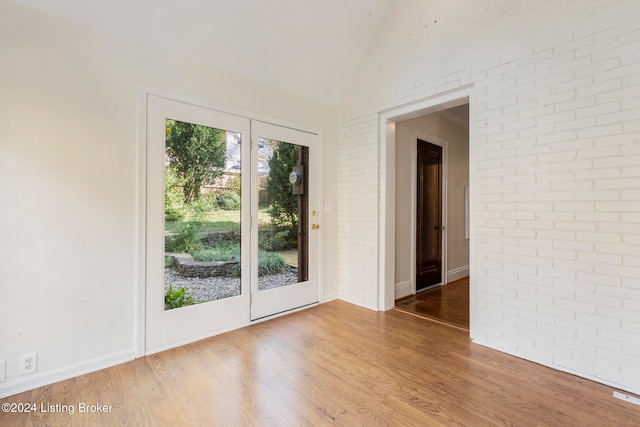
[555, 163]
[68, 199]
[457, 173]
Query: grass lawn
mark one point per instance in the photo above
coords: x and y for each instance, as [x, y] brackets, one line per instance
[219, 220]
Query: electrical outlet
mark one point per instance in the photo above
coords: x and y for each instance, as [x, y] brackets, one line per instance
[3, 370]
[28, 363]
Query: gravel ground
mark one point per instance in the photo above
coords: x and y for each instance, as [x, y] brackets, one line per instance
[213, 288]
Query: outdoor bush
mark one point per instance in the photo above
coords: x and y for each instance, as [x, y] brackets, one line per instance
[211, 201]
[174, 209]
[236, 184]
[277, 239]
[174, 298]
[286, 238]
[270, 263]
[264, 240]
[233, 236]
[229, 200]
[199, 206]
[221, 251]
[169, 261]
[188, 238]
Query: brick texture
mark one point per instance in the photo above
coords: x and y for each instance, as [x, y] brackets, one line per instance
[555, 179]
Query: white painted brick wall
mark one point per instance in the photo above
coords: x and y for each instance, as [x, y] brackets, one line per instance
[579, 131]
[556, 193]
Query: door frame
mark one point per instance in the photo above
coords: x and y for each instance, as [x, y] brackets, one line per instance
[386, 185]
[141, 196]
[444, 144]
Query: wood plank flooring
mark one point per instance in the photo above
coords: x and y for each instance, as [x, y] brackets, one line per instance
[335, 364]
[448, 304]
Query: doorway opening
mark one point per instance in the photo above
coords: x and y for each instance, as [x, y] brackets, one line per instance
[442, 121]
[432, 154]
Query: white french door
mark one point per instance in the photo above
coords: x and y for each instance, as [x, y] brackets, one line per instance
[296, 150]
[232, 212]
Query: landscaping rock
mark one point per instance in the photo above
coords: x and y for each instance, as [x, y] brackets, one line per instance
[187, 267]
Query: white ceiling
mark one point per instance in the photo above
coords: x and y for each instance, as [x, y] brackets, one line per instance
[309, 47]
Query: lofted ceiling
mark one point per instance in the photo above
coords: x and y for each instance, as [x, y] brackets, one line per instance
[309, 47]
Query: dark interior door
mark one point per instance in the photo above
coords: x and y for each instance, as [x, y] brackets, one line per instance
[429, 216]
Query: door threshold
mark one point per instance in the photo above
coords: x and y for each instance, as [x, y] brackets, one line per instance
[283, 313]
[429, 288]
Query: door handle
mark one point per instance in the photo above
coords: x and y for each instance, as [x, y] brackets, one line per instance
[315, 226]
[437, 227]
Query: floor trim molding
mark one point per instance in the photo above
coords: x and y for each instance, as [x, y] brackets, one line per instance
[45, 378]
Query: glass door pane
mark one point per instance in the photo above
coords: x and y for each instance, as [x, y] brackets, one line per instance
[202, 214]
[283, 214]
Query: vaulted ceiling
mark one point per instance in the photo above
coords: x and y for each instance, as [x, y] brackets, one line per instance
[309, 47]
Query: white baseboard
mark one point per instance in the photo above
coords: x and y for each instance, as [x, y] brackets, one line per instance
[406, 288]
[40, 379]
[359, 304]
[329, 297]
[631, 389]
[457, 273]
[403, 289]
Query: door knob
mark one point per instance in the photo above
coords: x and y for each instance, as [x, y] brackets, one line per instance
[315, 226]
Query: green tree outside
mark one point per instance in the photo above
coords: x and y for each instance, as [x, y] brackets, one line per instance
[196, 153]
[283, 204]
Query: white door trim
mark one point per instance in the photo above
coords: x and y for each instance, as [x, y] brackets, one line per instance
[386, 235]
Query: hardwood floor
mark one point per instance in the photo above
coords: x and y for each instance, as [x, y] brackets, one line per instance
[448, 304]
[335, 364]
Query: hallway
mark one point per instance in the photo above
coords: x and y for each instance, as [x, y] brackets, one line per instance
[448, 304]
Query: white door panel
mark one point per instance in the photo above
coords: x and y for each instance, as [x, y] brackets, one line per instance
[168, 328]
[303, 289]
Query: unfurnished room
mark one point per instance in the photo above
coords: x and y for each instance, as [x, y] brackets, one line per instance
[296, 212]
